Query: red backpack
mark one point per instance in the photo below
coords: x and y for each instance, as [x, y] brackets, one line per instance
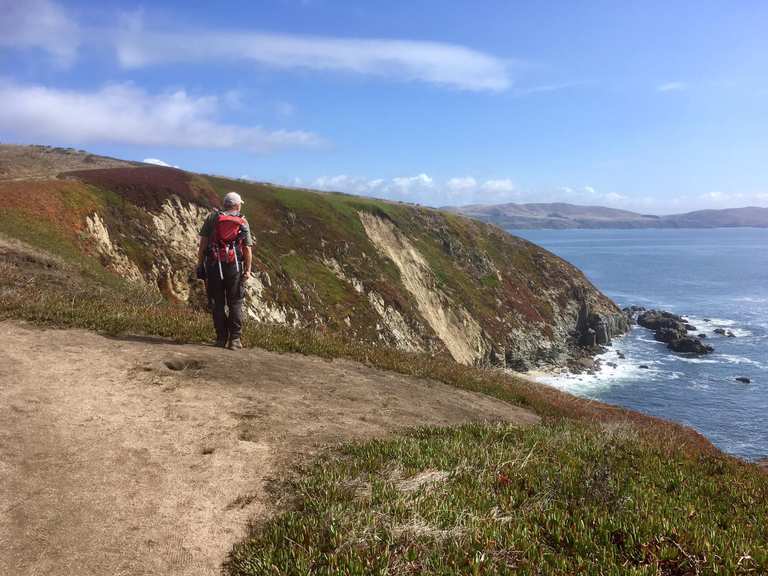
[226, 243]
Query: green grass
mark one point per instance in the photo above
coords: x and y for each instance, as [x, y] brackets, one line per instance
[314, 275]
[571, 498]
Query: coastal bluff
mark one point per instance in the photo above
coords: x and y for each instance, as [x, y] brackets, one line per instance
[369, 270]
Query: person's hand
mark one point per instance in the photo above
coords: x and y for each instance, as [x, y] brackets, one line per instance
[246, 275]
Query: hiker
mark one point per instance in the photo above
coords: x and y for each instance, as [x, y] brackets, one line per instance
[224, 261]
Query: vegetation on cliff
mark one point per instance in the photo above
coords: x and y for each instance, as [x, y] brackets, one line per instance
[370, 270]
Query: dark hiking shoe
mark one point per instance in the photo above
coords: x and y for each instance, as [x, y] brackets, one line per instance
[235, 344]
[220, 343]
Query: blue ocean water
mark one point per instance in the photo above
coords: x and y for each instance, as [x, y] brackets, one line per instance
[717, 279]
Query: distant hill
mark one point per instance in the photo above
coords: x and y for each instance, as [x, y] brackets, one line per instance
[559, 215]
[40, 162]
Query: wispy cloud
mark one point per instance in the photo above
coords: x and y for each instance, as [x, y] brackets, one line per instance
[585, 195]
[672, 87]
[439, 63]
[419, 188]
[127, 114]
[39, 24]
[546, 88]
[44, 24]
[461, 184]
[411, 188]
[470, 189]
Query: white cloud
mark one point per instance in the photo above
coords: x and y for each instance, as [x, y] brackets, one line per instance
[406, 186]
[671, 87]
[406, 60]
[129, 115]
[39, 24]
[158, 162]
[419, 188]
[503, 186]
[722, 197]
[467, 189]
[461, 184]
[411, 188]
[346, 183]
[584, 195]
[615, 197]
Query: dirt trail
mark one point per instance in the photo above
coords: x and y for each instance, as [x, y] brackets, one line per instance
[112, 463]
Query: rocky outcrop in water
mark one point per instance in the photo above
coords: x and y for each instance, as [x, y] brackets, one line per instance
[670, 329]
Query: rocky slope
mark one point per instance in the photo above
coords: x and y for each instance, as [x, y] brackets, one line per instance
[559, 215]
[404, 276]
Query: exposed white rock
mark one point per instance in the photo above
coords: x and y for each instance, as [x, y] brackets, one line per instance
[176, 228]
[258, 307]
[112, 257]
[461, 334]
[400, 332]
[338, 271]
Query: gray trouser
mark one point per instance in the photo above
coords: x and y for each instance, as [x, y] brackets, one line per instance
[228, 293]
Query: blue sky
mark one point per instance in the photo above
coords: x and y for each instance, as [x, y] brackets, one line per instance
[651, 106]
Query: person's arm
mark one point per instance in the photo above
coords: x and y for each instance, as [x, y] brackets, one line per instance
[247, 259]
[247, 250]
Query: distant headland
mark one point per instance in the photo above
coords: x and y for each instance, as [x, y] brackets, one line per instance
[560, 215]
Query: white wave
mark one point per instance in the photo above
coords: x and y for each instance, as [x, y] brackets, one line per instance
[741, 332]
[721, 322]
[708, 326]
[692, 360]
[733, 359]
[751, 300]
[614, 371]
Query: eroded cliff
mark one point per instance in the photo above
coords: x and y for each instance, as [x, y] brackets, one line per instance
[404, 276]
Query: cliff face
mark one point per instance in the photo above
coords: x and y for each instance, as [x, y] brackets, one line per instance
[403, 276]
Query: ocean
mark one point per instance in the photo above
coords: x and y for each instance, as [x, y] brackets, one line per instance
[716, 278]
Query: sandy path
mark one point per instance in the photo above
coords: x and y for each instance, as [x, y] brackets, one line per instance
[111, 463]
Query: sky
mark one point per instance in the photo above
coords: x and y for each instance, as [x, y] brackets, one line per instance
[654, 106]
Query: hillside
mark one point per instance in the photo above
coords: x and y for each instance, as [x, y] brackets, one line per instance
[412, 278]
[138, 451]
[559, 215]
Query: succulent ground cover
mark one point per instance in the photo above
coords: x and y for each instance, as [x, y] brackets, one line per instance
[565, 498]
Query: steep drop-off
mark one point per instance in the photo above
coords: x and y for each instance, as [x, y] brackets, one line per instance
[396, 274]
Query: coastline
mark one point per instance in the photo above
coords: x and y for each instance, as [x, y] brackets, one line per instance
[613, 372]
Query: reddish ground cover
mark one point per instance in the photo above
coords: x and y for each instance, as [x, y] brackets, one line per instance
[149, 186]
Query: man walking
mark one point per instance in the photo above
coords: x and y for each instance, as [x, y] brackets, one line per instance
[224, 260]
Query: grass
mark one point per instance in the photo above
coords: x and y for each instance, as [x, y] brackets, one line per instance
[595, 489]
[568, 498]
